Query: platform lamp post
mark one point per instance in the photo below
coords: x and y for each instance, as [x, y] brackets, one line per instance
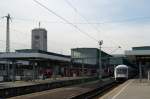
[140, 71]
[100, 58]
[34, 70]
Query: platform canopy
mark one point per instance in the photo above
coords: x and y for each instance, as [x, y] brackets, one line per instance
[139, 54]
[29, 54]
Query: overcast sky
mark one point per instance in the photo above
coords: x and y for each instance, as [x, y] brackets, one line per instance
[124, 23]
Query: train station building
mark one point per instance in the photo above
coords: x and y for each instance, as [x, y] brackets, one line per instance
[89, 58]
[38, 63]
[30, 64]
[33, 64]
[140, 57]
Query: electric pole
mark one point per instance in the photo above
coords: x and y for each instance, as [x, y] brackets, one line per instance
[8, 18]
[140, 71]
[100, 58]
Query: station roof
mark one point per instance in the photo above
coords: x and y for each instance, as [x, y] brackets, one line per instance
[84, 48]
[30, 54]
[138, 53]
[39, 29]
[40, 51]
[141, 48]
[118, 55]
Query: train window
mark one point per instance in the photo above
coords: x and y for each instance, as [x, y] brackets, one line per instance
[121, 71]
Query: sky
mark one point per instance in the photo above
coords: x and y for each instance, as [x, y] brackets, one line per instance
[124, 23]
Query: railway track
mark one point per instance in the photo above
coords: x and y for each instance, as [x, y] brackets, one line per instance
[99, 91]
[29, 89]
[91, 90]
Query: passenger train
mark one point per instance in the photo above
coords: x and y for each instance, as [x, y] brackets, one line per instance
[123, 72]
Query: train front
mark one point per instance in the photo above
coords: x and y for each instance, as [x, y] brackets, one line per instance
[121, 72]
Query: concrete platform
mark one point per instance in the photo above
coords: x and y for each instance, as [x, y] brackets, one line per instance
[131, 89]
[60, 93]
[4, 85]
[64, 92]
[10, 89]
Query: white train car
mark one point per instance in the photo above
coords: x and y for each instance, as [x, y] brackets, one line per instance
[121, 72]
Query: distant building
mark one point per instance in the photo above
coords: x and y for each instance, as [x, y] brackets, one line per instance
[39, 39]
[88, 56]
[89, 59]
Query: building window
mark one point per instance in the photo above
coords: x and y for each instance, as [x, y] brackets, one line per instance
[37, 37]
[45, 36]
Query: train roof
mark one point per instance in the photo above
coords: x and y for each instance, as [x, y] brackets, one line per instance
[121, 66]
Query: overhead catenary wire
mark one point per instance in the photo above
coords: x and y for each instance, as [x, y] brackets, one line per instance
[65, 20]
[32, 20]
[21, 44]
[16, 43]
[62, 18]
[116, 21]
[75, 9]
[110, 22]
[13, 47]
[70, 4]
[96, 23]
[92, 25]
[137, 18]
